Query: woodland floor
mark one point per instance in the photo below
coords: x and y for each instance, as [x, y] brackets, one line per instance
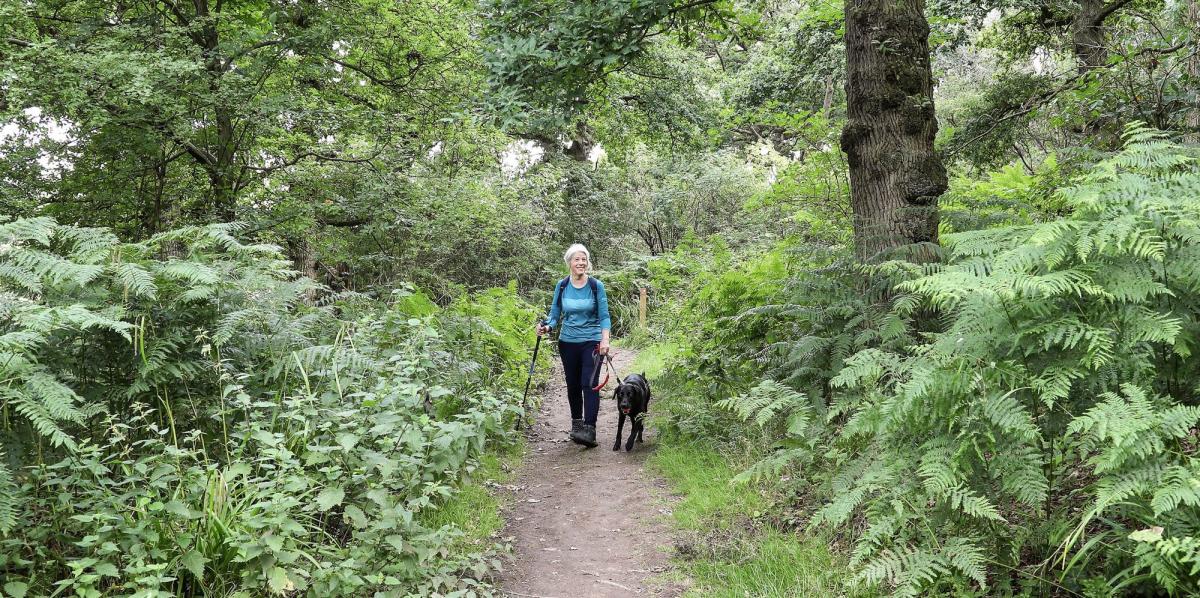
[587, 522]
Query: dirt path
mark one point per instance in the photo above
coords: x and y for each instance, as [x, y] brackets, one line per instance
[586, 522]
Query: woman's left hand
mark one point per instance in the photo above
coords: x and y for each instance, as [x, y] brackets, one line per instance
[602, 348]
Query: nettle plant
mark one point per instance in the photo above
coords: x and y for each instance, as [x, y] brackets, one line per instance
[1046, 437]
[188, 416]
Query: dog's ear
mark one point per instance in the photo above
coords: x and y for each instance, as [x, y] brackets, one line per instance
[643, 375]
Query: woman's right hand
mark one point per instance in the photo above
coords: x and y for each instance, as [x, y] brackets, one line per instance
[542, 329]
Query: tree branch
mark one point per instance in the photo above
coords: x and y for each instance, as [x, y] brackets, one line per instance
[375, 78]
[1167, 50]
[698, 3]
[1107, 11]
[346, 222]
[183, 20]
[251, 48]
[318, 155]
[1026, 107]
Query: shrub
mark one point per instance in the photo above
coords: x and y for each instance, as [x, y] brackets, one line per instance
[1063, 372]
[187, 416]
[1020, 418]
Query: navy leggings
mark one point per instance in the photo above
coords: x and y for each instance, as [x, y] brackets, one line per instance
[577, 365]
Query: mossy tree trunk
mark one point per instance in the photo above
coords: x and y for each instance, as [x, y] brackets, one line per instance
[1193, 73]
[1089, 40]
[895, 174]
[1087, 35]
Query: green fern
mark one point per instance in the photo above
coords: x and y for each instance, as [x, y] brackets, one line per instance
[40, 418]
[1129, 427]
[942, 482]
[767, 401]
[773, 403]
[1010, 416]
[911, 570]
[191, 272]
[134, 279]
[1180, 487]
[9, 497]
[1064, 366]
[39, 230]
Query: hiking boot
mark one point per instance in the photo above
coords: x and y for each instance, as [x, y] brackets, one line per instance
[576, 428]
[586, 436]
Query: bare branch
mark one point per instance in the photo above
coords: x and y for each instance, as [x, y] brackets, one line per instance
[373, 78]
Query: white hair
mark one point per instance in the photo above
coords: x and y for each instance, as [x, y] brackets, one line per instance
[577, 248]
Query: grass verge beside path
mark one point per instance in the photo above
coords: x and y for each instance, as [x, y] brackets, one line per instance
[724, 545]
[652, 359]
[475, 508]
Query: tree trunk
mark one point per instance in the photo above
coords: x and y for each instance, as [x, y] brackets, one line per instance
[1089, 41]
[222, 159]
[1192, 120]
[827, 103]
[154, 224]
[895, 175]
[1087, 36]
[301, 253]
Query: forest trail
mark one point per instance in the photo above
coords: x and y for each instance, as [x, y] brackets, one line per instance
[586, 522]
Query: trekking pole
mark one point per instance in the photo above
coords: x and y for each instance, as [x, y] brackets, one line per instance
[532, 365]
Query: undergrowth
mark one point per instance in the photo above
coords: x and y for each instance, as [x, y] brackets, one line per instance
[1018, 418]
[726, 544]
[187, 416]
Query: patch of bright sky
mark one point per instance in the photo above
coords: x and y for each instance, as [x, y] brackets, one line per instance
[40, 128]
[523, 154]
[519, 157]
[597, 155]
[1041, 56]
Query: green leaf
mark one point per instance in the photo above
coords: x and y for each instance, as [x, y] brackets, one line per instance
[194, 562]
[356, 516]
[178, 509]
[347, 440]
[277, 578]
[265, 437]
[330, 497]
[16, 589]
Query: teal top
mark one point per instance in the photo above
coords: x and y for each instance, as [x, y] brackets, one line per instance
[578, 313]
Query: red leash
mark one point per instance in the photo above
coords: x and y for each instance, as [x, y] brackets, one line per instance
[599, 361]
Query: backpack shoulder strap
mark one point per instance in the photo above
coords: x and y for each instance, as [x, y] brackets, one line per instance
[595, 298]
[558, 293]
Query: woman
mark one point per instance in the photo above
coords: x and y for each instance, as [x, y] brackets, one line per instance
[581, 307]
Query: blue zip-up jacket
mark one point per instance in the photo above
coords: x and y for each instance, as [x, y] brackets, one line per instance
[578, 314]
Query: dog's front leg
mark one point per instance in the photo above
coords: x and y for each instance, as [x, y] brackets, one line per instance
[635, 425]
[642, 418]
[620, 426]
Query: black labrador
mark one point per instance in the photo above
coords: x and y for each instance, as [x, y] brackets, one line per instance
[633, 401]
